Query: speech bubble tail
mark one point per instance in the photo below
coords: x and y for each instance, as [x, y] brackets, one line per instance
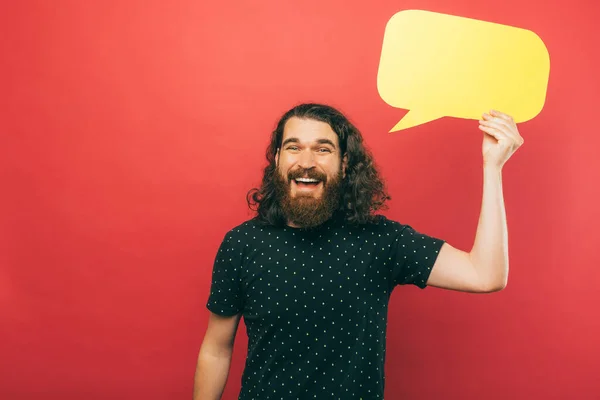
[411, 119]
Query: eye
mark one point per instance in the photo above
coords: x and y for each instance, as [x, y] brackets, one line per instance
[292, 148]
[324, 150]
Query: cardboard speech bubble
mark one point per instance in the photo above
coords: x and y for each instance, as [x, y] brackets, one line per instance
[438, 65]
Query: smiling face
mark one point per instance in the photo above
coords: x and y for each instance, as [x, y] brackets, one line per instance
[311, 168]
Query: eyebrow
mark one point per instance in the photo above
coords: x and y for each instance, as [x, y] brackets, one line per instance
[319, 141]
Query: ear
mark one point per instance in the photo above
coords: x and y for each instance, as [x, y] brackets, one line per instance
[277, 158]
[344, 165]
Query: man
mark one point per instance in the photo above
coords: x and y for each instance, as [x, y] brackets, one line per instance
[313, 272]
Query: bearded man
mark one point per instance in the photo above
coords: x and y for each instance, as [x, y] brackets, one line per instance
[313, 272]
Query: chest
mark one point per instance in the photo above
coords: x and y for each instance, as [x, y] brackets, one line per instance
[302, 279]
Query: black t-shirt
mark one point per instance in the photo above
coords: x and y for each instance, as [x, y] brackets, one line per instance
[315, 303]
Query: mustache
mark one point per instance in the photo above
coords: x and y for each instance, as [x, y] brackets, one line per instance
[307, 173]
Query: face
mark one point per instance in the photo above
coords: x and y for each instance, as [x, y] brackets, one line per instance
[311, 169]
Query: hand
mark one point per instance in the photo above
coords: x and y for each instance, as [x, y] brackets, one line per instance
[501, 138]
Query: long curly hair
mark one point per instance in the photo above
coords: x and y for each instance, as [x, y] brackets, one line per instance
[363, 190]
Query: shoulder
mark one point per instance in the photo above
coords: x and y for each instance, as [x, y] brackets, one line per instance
[241, 229]
[250, 228]
[244, 226]
[379, 227]
[382, 223]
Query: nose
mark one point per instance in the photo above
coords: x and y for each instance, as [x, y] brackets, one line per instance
[307, 159]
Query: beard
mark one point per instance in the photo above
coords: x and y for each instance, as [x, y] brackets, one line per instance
[305, 210]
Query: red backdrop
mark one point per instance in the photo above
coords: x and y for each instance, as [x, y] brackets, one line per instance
[130, 132]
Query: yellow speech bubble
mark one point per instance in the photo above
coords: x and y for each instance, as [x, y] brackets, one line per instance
[438, 65]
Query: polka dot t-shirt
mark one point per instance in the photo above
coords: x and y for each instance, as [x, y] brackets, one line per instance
[315, 302]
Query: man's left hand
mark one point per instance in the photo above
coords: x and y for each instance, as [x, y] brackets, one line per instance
[501, 138]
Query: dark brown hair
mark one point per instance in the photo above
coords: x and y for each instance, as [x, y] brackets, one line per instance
[363, 190]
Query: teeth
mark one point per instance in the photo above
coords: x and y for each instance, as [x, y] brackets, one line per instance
[306, 180]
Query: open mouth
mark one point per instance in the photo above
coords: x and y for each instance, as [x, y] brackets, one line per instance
[306, 183]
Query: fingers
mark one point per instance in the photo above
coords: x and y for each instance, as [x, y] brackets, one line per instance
[505, 117]
[497, 123]
[495, 132]
[503, 122]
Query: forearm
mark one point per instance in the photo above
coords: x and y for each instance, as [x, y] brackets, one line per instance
[489, 254]
[211, 375]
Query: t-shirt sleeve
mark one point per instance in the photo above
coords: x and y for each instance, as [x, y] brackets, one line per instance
[226, 297]
[414, 257]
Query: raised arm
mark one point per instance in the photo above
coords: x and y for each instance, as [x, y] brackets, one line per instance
[485, 267]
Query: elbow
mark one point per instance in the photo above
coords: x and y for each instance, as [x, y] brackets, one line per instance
[498, 288]
[495, 286]
[495, 279]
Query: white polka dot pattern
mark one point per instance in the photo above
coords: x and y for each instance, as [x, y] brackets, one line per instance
[315, 303]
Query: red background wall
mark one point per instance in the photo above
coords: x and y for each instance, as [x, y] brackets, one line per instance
[130, 132]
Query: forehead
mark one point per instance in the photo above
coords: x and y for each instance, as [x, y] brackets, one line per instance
[308, 130]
